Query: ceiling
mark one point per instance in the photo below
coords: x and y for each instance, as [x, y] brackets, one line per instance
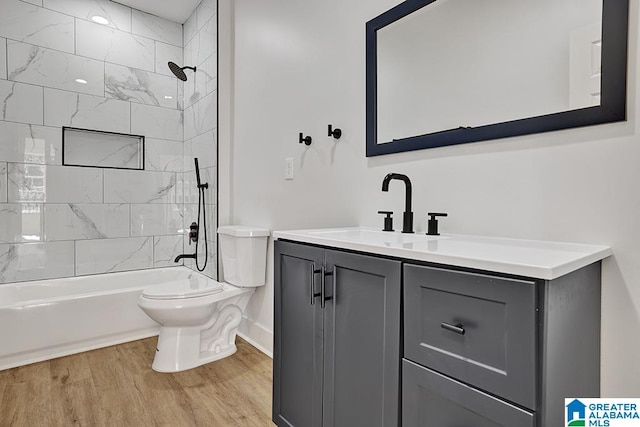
[173, 10]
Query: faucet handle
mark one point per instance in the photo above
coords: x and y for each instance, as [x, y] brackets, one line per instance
[193, 233]
[388, 220]
[432, 224]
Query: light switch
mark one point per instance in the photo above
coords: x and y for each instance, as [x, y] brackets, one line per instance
[288, 168]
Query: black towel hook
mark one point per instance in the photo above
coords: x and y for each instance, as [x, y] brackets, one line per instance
[306, 139]
[336, 133]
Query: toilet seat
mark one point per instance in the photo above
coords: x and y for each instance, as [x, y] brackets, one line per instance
[183, 289]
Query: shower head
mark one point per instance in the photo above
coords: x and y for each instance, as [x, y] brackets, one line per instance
[179, 71]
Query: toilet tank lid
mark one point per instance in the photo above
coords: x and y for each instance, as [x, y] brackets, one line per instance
[243, 231]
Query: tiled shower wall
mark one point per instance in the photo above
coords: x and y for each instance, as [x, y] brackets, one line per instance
[200, 119]
[59, 221]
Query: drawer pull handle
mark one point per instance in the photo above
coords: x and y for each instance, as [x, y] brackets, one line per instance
[457, 328]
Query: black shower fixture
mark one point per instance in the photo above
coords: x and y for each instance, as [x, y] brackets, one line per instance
[194, 234]
[178, 71]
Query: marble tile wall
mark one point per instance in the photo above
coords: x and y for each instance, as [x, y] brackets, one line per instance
[37, 65]
[59, 221]
[200, 122]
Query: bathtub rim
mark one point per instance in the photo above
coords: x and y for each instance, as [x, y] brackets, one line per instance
[27, 303]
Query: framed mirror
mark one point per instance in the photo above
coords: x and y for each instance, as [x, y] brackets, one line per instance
[445, 72]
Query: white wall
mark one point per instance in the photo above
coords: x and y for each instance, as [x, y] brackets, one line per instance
[299, 66]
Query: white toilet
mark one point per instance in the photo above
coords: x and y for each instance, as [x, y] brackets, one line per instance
[199, 317]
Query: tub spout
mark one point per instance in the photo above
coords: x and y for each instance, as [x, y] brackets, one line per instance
[181, 256]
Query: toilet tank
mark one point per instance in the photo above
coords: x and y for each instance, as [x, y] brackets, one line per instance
[244, 254]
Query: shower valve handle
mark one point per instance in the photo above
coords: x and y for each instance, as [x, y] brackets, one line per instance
[193, 233]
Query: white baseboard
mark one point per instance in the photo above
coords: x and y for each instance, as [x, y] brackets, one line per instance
[257, 335]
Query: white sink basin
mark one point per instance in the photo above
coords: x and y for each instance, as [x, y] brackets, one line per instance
[373, 237]
[530, 258]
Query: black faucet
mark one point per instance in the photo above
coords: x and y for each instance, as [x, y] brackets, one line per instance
[179, 257]
[407, 217]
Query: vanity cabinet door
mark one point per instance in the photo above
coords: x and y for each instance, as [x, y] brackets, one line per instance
[361, 341]
[477, 328]
[430, 399]
[297, 352]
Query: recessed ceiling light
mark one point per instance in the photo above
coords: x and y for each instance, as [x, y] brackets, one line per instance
[168, 97]
[100, 19]
[82, 81]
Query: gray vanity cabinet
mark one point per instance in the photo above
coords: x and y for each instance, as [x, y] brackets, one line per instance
[431, 399]
[477, 328]
[337, 338]
[297, 352]
[483, 349]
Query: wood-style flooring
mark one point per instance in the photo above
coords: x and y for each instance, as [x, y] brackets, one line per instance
[115, 386]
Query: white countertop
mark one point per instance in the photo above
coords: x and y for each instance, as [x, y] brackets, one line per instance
[529, 258]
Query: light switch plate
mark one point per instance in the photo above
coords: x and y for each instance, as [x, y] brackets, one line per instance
[288, 168]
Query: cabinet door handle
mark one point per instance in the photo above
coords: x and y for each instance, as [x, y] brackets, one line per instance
[457, 328]
[312, 285]
[323, 297]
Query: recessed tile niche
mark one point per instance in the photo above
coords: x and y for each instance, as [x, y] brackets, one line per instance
[84, 147]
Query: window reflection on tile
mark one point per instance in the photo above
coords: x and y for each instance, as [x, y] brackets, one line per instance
[33, 261]
[36, 183]
[21, 223]
[32, 221]
[54, 184]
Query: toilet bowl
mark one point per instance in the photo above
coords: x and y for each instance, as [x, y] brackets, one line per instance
[199, 317]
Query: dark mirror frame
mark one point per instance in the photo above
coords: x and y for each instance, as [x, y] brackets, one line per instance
[612, 108]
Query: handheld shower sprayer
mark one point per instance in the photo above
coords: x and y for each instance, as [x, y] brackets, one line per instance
[201, 205]
[206, 184]
[195, 227]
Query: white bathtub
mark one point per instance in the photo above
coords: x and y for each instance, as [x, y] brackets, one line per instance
[51, 318]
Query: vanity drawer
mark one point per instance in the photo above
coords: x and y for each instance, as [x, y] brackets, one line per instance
[430, 399]
[476, 328]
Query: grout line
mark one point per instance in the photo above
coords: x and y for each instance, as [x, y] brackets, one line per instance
[6, 174]
[103, 187]
[44, 222]
[155, 56]
[75, 260]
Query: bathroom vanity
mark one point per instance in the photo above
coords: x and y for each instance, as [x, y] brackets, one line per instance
[386, 329]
